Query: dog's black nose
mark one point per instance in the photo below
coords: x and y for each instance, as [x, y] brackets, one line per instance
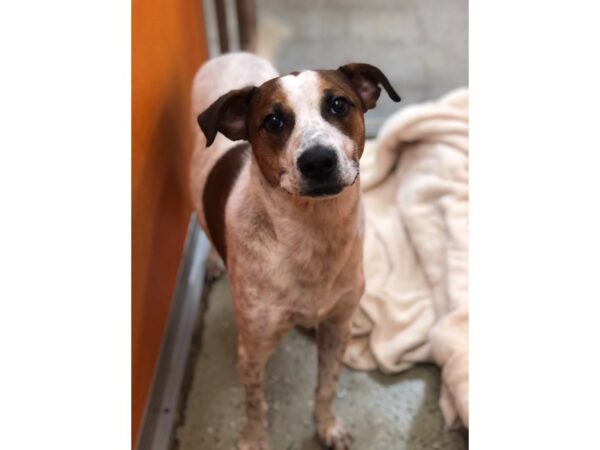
[317, 163]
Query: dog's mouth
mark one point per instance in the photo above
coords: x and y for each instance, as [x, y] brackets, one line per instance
[317, 189]
[325, 190]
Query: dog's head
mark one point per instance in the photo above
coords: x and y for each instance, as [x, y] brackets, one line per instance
[306, 129]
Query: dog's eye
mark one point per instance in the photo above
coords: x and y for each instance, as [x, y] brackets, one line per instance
[339, 106]
[273, 123]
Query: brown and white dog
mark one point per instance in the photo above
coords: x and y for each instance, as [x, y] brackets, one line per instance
[284, 211]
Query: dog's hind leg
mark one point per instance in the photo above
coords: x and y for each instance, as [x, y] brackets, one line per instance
[332, 338]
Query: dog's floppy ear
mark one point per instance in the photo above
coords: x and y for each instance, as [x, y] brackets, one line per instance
[365, 79]
[227, 115]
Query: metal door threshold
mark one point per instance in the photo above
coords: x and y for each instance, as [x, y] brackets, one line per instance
[161, 412]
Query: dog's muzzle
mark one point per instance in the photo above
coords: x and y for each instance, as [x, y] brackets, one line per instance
[319, 168]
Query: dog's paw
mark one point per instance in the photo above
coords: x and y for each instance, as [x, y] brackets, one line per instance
[334, 435]
[215, 267]
[246, 442]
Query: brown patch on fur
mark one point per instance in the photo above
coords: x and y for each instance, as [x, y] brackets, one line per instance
[267, 147]
[219, 184]
[227, 115]
[365, 80]
[335, 84]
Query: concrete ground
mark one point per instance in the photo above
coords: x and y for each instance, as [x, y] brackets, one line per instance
[397, 412]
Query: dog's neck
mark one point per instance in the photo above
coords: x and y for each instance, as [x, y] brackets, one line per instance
[343, 210]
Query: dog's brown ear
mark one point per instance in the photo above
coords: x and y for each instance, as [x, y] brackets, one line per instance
[365, 79]
[227, 115]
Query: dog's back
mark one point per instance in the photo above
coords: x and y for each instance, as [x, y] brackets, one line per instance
[214, 171]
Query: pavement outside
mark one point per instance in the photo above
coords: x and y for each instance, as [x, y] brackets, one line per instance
[398, 412]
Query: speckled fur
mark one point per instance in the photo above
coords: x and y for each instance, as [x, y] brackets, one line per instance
[291, 259]
[304, 267]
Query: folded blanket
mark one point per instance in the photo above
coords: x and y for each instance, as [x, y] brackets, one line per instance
[415, 307]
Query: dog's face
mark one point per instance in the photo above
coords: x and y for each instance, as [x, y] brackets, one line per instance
[306, 129]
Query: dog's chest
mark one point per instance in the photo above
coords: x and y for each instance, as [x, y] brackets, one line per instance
[282, 262]
[314, 270]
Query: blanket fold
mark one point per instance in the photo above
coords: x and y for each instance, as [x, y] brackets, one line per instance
[415, 309]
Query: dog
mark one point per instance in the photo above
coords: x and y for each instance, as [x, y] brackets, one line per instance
[283, 210]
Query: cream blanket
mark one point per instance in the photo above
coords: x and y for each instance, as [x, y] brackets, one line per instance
[415, 307]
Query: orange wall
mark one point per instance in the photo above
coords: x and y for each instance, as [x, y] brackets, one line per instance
[168, 45]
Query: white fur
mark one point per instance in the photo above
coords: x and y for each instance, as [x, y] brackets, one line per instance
[304, 94]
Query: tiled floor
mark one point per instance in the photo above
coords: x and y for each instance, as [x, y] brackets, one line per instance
[384, 412]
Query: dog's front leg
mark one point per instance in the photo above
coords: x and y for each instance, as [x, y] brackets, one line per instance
[332, 338]
[256, 342]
